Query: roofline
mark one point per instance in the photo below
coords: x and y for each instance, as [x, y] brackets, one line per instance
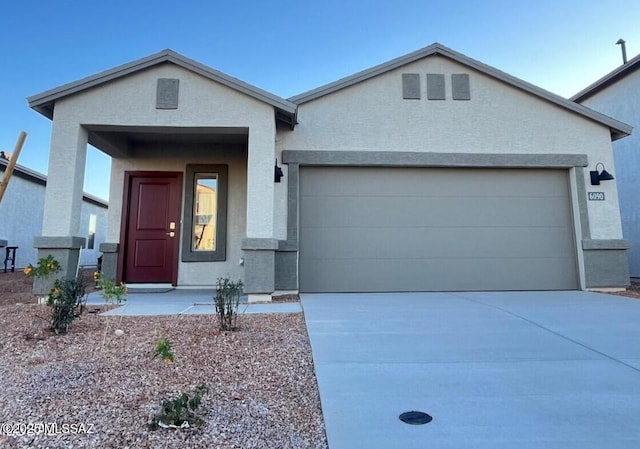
[44, 101]
[618, 129]
[607, 80]
[31, 175]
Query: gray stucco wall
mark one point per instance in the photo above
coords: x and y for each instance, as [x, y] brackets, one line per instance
[621, 101]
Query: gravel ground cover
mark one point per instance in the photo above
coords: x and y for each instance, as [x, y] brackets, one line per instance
[102, 390]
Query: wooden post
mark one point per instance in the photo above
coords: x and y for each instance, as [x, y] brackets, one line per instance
[12, 163]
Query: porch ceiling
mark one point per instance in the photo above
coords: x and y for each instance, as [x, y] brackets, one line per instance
[122, 141]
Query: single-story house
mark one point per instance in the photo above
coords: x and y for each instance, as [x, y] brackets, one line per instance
[618, 94]
[430, 172]
[21, 212]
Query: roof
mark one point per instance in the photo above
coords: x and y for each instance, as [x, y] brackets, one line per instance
[617, 128]
[44, 102]
[38, 178]
[607, 80]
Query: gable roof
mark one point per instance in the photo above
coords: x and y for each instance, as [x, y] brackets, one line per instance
[610, 78]
[44, 102]
[36, 177]
[617, 128]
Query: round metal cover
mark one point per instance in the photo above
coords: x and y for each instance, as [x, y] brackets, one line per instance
[415, 418]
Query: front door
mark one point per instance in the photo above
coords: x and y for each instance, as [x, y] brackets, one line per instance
[152, 229]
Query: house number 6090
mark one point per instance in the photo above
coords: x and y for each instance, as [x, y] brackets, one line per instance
[596, 196]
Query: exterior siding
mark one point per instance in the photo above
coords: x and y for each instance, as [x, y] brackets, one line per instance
[194, 273]
[372, 116]
[21, 213]
[481, 119]
[621, 100]
[131, 101]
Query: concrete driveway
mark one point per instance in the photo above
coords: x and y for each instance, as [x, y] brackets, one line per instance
[494, 370]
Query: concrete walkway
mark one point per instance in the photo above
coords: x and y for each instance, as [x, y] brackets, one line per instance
[495, 370]
[184, 302]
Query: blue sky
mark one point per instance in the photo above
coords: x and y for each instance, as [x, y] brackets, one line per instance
[289, 47]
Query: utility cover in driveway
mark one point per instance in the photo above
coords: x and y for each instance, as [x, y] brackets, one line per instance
[371, 229]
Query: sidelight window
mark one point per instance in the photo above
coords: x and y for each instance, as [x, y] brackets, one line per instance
[205, 213]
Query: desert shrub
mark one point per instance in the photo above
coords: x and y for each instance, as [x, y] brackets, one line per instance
[164, 350]
[227, 300]
[45, 267]
[111, 292]
[184, 411]
[65, 301]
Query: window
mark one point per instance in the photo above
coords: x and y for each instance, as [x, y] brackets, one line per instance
[205, 213]
[91, 240]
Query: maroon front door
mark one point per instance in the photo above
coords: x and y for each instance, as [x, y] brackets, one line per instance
[152, 229]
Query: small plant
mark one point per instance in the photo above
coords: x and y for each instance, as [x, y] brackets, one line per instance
[182, 412]
[112, 293]
[66, 303]
[227, 300]
[163, 349]
[45, 267]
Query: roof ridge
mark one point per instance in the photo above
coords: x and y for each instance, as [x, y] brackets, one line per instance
[618, 73]
[44, 102]
[618, 129]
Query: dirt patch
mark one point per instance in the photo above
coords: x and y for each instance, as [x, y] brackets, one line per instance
[633, 291]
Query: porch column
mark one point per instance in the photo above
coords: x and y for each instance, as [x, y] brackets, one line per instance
[61, 234]
[258, 247]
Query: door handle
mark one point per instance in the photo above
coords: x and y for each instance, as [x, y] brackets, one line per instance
[170, 234]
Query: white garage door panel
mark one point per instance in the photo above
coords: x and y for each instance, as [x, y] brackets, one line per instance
[405, 229]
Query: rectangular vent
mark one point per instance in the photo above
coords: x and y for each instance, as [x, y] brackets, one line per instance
[410, 86]
[167, 93]
[460, 86]
[435, 86]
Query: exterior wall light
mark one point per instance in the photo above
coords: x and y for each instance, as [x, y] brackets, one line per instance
[597, 176]
[278, 174]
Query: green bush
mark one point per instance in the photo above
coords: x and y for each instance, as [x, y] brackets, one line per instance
[66, 301]
[163, 349]
[227, 300]
[111, 292]
[46, 267]
[183, 411]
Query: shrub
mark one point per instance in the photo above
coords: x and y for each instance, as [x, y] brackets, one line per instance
[181, 412]
[227, 300]
[66, 302]
[45, 267]
[163, 349]
[112, 293]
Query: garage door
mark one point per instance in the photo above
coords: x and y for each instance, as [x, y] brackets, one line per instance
[406, 229]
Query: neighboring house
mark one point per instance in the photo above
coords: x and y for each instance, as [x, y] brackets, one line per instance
[21, 212]
[618, 94]
[432, 171]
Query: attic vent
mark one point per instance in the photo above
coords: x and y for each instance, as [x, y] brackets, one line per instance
[435, 86]
[167, 93]
[460, 89]
[410, 86]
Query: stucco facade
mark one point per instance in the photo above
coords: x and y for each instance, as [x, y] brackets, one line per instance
[618, 95]
[22, 213]
[364, 120]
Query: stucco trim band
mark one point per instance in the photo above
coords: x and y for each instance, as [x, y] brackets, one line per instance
[45, 242]
[419, 159]
[605, 244]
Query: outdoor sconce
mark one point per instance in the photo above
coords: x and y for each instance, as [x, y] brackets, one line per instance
[597, 176]
[278, 174]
